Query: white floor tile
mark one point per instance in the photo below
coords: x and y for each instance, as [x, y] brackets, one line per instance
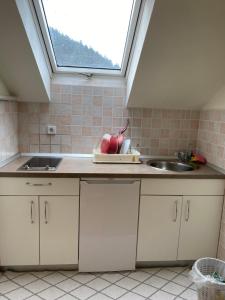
[19, 294]
[177, 269]
[83, 278]
[186, 272]
[144, 290]
[131, 296]
[173, 288]
[83, 292]
[7, 286]
[41, 274]
[68, 285]
[182, 280]
[112, 277]
[157, 282]
[37, 286]
[143, 284]
[67, 297]
[125, 273]
[166, 274]
[189, 295]
[114, 291]
[69, 273]
[3, 278]
[25, 279]
[98, 284]
[99, 297]
[127, 283]
[160, 295]
[51, 293]
[11, 275]
[150, 270]
[35, 297]
[54, 278]
[139, 275]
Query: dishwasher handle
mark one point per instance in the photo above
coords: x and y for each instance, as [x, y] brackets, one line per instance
[117, 181]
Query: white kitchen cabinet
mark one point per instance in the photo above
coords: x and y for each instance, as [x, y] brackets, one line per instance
[59, 230]
[39, 227]
[19, 230]
[200, 225]
[159, 224]
[196, 231]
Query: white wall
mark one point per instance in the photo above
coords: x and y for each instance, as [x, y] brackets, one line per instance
[3, 89]
[218, 100]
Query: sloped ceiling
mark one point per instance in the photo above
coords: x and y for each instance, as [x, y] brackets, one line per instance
[18, 65]
[182, 64]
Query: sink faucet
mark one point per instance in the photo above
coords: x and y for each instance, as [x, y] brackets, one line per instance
[184, 156]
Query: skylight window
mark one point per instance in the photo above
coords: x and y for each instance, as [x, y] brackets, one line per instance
[92, 36]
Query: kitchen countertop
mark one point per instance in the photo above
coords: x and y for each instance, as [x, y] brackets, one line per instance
[84, 167]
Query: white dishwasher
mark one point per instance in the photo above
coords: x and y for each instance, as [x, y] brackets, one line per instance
[108, 224]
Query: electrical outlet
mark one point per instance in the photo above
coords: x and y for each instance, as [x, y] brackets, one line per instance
[51, 129]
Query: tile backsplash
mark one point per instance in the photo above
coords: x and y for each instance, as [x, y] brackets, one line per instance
[211, 136]
[82, 114]
[8, 129]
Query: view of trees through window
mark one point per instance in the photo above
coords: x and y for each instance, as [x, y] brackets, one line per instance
[72, 53]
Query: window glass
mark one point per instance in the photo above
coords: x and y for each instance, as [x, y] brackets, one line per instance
[88, 33]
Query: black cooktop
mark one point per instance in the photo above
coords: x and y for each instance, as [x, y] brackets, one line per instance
[41, 163]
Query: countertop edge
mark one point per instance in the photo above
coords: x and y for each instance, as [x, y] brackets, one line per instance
[110, 175]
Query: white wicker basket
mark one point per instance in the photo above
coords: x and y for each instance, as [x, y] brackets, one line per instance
[207, 288]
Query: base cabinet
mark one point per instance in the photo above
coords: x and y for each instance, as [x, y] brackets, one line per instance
[22, 234]
[19, 230]
[59, 230]
[178, 227]
[200, 225]
[158, 233]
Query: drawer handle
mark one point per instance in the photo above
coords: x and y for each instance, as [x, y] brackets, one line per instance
[46, 212]
[31, 212]
[38, 184]
[187, 213]
[175, 210]
[109, 181]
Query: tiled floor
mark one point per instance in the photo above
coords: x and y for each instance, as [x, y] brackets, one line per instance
[152, 283]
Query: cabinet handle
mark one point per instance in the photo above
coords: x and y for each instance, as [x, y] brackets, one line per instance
[31, 212]
[175, 210]
[46, 212]
[109, 181]
[187, 212]
[38, 184]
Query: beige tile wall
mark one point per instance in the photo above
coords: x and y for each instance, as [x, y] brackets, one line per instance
[83, 114]
[211, 136]
[211, 143]
[8, 129]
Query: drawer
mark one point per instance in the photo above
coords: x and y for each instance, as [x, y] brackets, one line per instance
[39, 186]
[182, 187]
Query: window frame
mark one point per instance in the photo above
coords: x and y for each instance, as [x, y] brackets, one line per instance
[43, 26]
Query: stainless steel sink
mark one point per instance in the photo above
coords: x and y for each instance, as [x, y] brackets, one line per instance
[170, 165]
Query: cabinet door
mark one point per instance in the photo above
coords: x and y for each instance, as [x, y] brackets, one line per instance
[159, 223]
[19, 230]
[200, 224]
[59, 230]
